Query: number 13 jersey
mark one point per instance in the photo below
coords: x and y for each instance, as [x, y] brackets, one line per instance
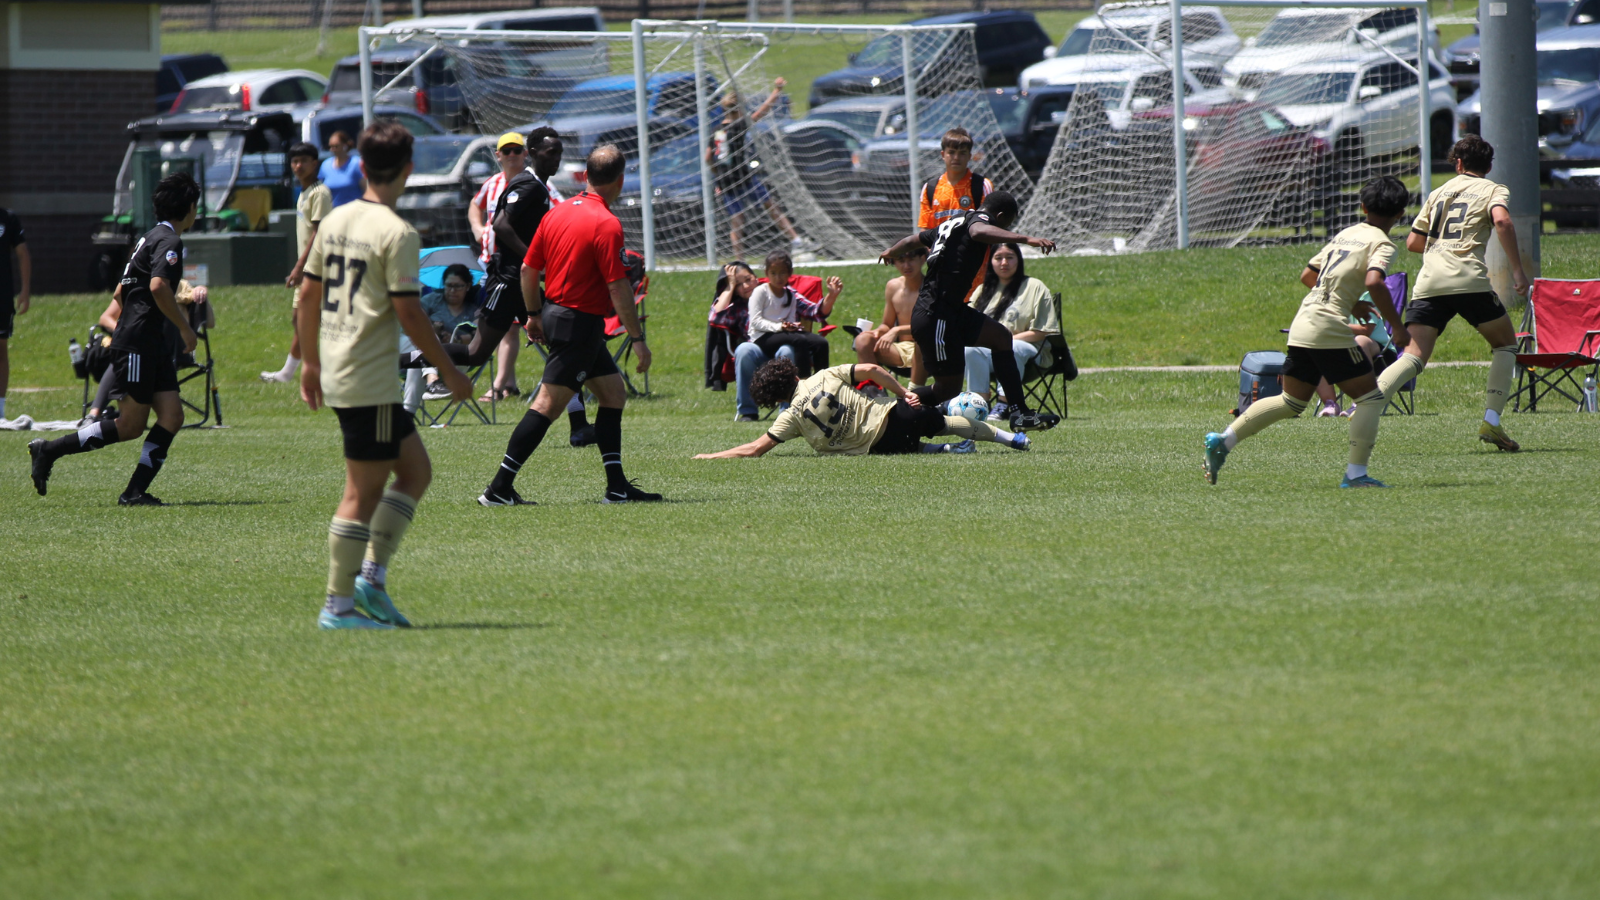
[362, 253]
[1456, 221]
[832, 415]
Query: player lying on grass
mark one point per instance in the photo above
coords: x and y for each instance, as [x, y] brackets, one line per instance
[942, 323]
[1321, 344]
[1451, 232]
[143, 354]
[836, 418]
[359, 292]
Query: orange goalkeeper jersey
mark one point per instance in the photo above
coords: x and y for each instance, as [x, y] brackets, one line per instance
[940, 199]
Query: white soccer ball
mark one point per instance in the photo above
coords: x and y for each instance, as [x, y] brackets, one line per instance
[968, 406]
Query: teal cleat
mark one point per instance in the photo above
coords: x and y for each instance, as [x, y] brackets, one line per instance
[327, 621]
[1216, 455]
[966, 446]
[1361, 481]
[375, 602]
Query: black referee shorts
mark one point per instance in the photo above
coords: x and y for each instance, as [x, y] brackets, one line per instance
[142, 374]
[502, 305]
[944, 336]
[577, 345]
[1478, 309]
[374, 433]
[908, 425]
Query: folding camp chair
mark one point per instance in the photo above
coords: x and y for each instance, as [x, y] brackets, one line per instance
[453, 408]
[1560, 337]
[1041, 384]
[1405, 396]
[191, 368]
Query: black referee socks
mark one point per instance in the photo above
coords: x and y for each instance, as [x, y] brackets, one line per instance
[608, 436]
[524, 440]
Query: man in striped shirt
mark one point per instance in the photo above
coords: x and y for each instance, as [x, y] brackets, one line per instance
[512, 153]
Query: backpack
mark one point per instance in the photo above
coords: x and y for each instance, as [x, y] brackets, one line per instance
[1260, 375]
[977, 190]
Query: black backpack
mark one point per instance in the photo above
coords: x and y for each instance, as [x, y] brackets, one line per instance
[977, 190]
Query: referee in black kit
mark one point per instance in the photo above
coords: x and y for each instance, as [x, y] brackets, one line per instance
[140, 352]
[578, 249]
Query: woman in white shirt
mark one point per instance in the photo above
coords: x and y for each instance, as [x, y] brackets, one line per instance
[778, 317]
[1023, 305]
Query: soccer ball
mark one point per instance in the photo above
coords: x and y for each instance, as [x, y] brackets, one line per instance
[968, 406]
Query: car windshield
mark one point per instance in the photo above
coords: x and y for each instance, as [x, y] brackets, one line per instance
[1552, 14]
[676, 157]
[885, 51]
[861, 121]
[1290, 31]
[1108, 93]
[1084, 39]
[436, 157]
[1307, 88]
[594, 102]
[1010, 109]
[1579, 65]
[206, 98]
[948, 112]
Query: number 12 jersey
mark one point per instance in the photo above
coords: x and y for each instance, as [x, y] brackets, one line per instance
[1456, 221]
[362, 253]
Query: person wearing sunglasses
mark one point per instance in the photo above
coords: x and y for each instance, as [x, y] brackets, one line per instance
[511, 151]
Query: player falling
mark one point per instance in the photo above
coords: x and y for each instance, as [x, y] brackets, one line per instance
[359, 292]
[143, 349]
[1321, 344]
[1451, 232]
[837, 419]
[942, 323]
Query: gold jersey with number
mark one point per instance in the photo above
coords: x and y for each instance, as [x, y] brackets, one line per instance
[832, 415]
[362, 253]
[1323, 320]
[313, 206]
[1457, 222]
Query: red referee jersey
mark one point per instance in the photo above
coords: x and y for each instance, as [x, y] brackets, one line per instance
[579, 248]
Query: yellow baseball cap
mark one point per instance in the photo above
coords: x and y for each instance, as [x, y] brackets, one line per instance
[510, 137]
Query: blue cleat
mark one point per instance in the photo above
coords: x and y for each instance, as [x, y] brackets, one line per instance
[1020, 441]
[1361, 481]
[327, 621]
[375, 602]
[1216, 455]
[966, 446]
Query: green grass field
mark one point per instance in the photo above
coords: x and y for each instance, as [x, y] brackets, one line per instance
[1079, 672]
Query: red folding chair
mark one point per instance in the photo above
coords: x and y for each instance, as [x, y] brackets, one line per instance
[1560, 337]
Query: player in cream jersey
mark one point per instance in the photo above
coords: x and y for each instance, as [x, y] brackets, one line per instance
[1321, 344]
[836, 419]
[1451, 232]
[314, 205]
[359, 292]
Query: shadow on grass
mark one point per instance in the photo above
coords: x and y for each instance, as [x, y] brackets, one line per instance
[226, 502]
[481, 626]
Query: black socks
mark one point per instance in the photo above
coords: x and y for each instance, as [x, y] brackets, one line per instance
[608, 436]
[524, 440]
[151, 459]
[92, 436]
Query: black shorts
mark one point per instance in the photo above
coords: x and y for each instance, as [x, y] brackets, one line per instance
[502, 305]
[374, 433]
[8, 315]
[142, 374]
[1338, 365]
[1436, 312]
[908, 425]
[577, 346]
[944, 336]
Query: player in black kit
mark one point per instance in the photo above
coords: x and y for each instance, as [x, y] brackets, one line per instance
[942, 323]
[141, 349]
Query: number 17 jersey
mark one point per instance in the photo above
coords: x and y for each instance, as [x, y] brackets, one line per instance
[1457, 222]
[362, 253]
[832, 415]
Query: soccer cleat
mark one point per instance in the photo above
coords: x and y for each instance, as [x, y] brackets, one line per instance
[327, 621]
[1216, 455]
[1033, 421]
[966, 446]
[43, 462]
[583, 437]
[632, 494]
[1361, 481]
[745, 417]
[1494, 434]
[1020, 441]
[375, 602]
[515, 499]
[139, 500]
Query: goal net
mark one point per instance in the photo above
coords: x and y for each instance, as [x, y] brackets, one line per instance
[1287, 110]
[826, 170]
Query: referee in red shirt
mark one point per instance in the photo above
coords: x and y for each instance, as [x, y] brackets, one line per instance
[578, 248]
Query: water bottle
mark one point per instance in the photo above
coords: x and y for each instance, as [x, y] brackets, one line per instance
[75, 352]
[1589, 400]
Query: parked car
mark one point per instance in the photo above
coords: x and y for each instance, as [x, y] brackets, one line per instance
[434, 87]
[602, 111]
[871, 117]
[1364, 106]
[252, 90]
[318, 125]
[1298, 36]
[1461, 57]
[177, 70]
[1125, 86]
[1026, 120]
[447, 171]
[1207, 37]
[1568, 63]
[575, 60]
[1007, 41]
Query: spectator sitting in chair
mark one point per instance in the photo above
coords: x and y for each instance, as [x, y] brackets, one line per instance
[890, 343]
[1024, 306]
[731, 312]
[728, 324]
[750, 355]
[1373, 339]
[192, 300]
[449, 309]
[776, 318]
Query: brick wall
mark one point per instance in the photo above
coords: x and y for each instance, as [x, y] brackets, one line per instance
[62, 137]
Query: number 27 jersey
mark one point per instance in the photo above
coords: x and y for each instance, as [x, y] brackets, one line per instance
[363, 252]
[1457, 222]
